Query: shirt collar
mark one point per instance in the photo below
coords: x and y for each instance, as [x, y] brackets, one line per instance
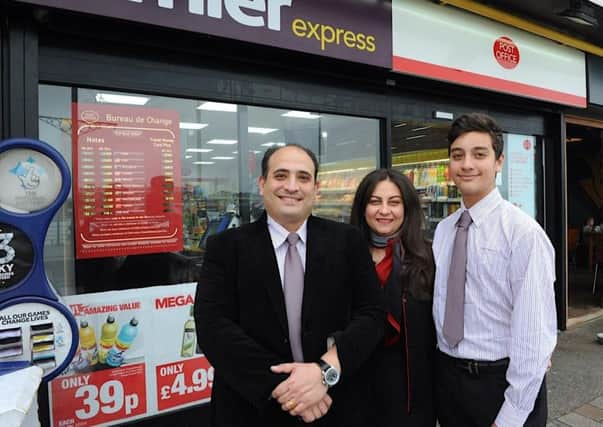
[484, 207]
[278, 233]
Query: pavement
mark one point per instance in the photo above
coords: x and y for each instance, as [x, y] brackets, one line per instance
[575, 381]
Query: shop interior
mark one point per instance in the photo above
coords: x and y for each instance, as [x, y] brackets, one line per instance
[584, 147]
[419, 151]
[218, 153]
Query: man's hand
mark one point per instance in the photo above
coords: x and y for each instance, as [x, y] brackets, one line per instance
[317, 411]
[302, 390]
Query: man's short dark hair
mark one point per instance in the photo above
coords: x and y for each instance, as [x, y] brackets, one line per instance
[269, 152]
[477, 122]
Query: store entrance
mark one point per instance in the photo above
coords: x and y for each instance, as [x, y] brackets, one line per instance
[584, 150]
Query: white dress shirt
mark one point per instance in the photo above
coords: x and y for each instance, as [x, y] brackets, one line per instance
[278, 235]
[509, 297]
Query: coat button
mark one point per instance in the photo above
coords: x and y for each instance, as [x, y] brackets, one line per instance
[286, 341]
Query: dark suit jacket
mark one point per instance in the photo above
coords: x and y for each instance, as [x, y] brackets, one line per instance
[242, 322]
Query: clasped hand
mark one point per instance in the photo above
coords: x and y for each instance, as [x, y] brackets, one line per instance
[303, 393]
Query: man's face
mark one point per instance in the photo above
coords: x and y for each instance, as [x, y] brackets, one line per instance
[473, 166]
[289, 189]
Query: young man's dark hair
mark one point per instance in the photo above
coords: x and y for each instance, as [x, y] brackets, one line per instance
[477, 122]
[269, 152]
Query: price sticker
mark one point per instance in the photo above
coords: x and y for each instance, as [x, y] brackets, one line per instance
[99, 397]
[187, 381]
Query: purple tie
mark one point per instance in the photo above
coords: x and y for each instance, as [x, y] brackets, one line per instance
[454, 317]
[294, 291]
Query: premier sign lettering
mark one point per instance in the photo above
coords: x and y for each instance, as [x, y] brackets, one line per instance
[352, 30]
[234, 8]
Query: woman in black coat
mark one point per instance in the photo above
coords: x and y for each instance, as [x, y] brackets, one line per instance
[387, 210]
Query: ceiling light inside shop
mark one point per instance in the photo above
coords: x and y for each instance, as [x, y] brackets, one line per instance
[222, 141]
[203, 163]
[192, 126]
[324, 134]
[188, 157]
[223, 158]
[351, 141]
[300, 115]
[218, 106]
[272, 144]
[261, 131]
[421, 128]
[199, 150]
[399, 125]
[415, 137]
[111, 98]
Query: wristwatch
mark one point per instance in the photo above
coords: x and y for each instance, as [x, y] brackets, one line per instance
[330, 375]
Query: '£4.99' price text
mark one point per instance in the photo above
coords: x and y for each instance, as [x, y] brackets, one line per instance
[184, 382]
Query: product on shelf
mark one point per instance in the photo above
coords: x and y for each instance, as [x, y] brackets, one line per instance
[438, 194]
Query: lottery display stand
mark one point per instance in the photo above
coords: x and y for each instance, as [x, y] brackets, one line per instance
[35, 327]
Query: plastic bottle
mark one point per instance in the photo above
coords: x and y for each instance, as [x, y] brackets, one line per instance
[107, 339]
[188, 336]
[124, 341]
[88, 349]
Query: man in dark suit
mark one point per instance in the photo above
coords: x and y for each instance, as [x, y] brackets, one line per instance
[244, 315]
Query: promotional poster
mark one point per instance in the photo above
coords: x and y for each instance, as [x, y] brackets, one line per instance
[137, 356]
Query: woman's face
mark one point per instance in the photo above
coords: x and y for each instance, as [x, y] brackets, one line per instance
[384, 212]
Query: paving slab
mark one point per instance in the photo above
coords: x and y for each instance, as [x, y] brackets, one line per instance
[576, 377]
[590, 411]
[598, 402]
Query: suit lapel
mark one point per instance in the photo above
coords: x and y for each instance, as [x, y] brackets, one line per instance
[316, 256]
[267, 272]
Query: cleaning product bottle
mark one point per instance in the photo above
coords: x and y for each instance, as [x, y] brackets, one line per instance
[107, 339]
[124, 341]
[188, 336]
[88, 349]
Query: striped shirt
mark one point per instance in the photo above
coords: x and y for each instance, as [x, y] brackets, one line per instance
[509, 297]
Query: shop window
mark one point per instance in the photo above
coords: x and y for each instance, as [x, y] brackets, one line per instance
[420, 151]
[191, 165]
[153, 177]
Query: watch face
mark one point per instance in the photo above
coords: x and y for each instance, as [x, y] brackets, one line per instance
[331, 376]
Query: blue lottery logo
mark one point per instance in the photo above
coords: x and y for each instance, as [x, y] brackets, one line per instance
[29, 173]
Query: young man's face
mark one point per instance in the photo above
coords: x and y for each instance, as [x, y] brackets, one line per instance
[473, 166]
[289, 189]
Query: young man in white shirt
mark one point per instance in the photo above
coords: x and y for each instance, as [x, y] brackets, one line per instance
[494, 303]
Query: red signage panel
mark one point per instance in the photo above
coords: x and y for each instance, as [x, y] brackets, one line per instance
[93, 398]
[127, 189]
[182, 382]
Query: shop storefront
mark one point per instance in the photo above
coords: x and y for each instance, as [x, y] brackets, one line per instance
[163, 111]
[460, 48]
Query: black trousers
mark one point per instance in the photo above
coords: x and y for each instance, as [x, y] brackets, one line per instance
[472, 397]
